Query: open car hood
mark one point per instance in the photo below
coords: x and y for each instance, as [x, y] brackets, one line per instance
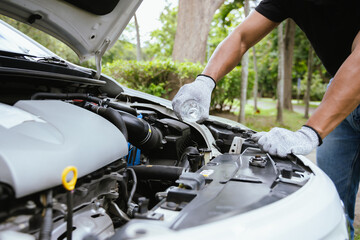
[89, 27]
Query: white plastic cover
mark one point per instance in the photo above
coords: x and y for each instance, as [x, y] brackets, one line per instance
[34, 153]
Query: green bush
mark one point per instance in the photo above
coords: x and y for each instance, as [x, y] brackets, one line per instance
[317, 88]
[157, 77]
[150, 77]
[164, 77]
[227, 89]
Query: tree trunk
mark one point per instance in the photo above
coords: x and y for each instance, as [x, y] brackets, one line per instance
[193, 26]
[281, 75]
[255, 89]
[308, 84]
[244, 83]
[298, 90]
[289, 40]
[138, 45]
[244, 74]
[324, 78]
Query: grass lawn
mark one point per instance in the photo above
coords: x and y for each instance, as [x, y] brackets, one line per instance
[265, 119]
[313, 104]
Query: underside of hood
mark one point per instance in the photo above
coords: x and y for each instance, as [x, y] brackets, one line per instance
[89, 27]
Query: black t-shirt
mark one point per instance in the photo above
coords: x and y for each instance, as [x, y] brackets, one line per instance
[330, 25]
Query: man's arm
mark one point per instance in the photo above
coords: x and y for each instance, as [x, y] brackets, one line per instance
[342, 96]
[230, 51]
[226, 56]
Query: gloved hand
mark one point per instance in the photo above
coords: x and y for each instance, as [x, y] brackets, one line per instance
[281, 142]
[200, 90]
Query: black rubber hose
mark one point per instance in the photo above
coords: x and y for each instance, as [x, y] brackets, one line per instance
[158, 172]
[83, 96]
[141, 134]
[46, 226]
[192, 159]
[184, 159]
[113, 116]
[66, 96]
[123, 108]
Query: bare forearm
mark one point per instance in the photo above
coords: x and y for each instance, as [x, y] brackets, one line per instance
[229, 53]
[226, 56]
[342, 97]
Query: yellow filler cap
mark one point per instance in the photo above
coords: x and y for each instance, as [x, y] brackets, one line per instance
[71, 184]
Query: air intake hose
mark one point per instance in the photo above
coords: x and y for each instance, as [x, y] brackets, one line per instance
[113, 116]
[138, 132]
[141, 133]
[83, 96]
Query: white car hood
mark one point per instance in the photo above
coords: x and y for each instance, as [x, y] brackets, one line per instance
[88, 32]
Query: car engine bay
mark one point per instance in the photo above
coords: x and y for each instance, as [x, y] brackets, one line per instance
[139, 168]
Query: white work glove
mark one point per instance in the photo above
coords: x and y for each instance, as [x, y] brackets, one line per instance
[200, 91]
[281, 142]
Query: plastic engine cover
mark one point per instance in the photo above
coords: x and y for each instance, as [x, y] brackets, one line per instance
[40, 138]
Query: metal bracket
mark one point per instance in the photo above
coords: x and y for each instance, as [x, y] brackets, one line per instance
[298, 179]
[236, 145]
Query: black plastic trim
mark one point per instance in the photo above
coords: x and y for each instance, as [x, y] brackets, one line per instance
[11, 72]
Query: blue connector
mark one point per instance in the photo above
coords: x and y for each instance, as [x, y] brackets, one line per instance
[133, 157]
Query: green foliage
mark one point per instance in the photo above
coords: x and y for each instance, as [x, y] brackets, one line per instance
[156, 90]
[161, 77]
[357, 235]
[121, 50]
[138, 75]
[228, 89]
[152, 77]
[301, 51]
[224, 15]
[267, 63]
[265, 118]
[125, 46]
[224, 22]
[187, 71]
[317, 88]
[162, 40]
